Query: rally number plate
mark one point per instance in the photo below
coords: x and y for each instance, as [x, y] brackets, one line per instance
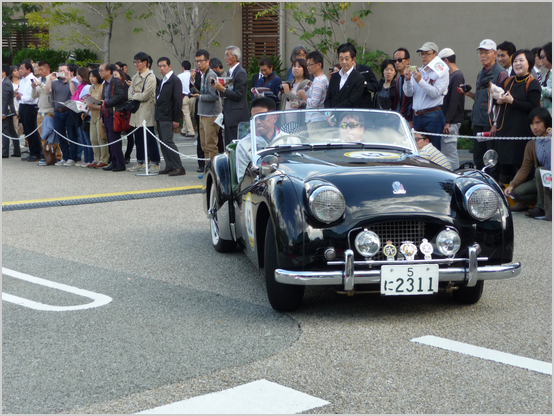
[410, 279]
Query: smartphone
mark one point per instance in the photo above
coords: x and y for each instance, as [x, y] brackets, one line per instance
[331, 69]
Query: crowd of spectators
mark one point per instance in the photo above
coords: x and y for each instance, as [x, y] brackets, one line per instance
[430, 96]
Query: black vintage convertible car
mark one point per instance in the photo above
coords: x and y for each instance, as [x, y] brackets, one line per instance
[351, 204]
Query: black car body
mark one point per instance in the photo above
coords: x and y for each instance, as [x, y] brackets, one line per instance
[314, 209]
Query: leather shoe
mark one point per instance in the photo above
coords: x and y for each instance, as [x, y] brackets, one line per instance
[33, 159]
[100, 165]
[14, 155]
[200, 170]
[165, 171]
[535, 212]
[109, 167]
[119, 168]
[519, 207]
[177, 172]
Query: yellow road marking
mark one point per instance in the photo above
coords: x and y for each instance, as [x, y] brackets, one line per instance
[66, 198]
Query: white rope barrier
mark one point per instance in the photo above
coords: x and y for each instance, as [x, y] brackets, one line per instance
[479, 138]
[24, 137]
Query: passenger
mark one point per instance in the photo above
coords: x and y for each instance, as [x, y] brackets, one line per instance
[266, 131]
[430, 152]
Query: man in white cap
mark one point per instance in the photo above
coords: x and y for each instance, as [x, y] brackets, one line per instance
[480, 121]
[428, 85]
[453, 107]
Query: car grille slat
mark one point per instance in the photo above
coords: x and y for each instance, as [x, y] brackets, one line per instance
[397, 232]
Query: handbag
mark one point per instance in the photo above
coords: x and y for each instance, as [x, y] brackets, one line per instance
[133, 105]
[50, 154]
[121, 121]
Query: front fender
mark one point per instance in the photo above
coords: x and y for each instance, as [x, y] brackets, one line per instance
[218, 172]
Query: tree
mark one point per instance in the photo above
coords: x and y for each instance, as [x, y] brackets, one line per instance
[75, 18]
[185, 27]
[14, 21]
[323, 26]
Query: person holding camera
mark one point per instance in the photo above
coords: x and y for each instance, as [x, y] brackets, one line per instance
[209, 105]
[452, 107]
[480, 122]
[288, 90]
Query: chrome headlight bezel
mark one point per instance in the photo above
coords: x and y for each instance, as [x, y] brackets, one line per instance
[324, 211]
[481, 202]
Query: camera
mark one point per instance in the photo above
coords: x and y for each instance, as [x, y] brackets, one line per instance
[212, 81]
[193, 90]
[462, 89]
[289, 83]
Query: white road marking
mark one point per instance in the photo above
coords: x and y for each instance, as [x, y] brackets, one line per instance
[98, 299]
[487, 354]
[258, 397]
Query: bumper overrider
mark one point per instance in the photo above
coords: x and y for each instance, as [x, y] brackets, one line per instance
[349, 277]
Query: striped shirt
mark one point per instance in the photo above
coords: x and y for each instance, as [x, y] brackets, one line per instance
[431, 153]
[316, 97]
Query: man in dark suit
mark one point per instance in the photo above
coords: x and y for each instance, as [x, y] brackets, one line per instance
[370, 85]
[113, 98]
[346, 86]
[169, 102]
[8, 113]
[235, 107]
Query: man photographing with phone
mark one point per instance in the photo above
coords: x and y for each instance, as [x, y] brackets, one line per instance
[428, 85]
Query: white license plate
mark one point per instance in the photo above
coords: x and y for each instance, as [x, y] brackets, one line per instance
[410, 279]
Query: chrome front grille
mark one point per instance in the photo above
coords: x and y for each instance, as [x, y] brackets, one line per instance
[397, 232]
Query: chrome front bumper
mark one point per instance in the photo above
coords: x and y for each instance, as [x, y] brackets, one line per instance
[349, 277]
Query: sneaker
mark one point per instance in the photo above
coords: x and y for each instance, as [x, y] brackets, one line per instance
[60, 163]
[153, 168]
[70, 163]
[42, 162]
[137, 167]
[87, 165]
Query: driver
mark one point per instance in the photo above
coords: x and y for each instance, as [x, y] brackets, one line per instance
[351, 127]
[266, 131]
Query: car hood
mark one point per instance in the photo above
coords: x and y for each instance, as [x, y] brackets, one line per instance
[376, 182]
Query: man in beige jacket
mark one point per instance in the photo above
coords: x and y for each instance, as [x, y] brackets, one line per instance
[143, 89]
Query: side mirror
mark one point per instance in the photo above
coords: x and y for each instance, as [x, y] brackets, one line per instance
[490, 159]
[269, 164]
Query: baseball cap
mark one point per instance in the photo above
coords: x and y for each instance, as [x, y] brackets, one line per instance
[487, 44]
[446, 52]
[428, 46]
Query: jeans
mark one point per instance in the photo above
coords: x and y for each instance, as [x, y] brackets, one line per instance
[84, 138]
[432, 122]
[63, 123]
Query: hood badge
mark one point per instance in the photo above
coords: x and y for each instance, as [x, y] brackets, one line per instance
[397, 188]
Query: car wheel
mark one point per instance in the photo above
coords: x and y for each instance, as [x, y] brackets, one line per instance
[220, 245]
[284, 298]
[469, 295]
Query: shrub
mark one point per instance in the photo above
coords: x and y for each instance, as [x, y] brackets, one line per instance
[54, 57]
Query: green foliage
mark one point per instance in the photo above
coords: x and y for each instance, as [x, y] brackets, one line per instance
[372, 59]
[253, 68]
[54, 57]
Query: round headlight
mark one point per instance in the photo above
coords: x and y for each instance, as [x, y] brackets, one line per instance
[481, 202]
[367, 243]
[327, 204]
[448, 242]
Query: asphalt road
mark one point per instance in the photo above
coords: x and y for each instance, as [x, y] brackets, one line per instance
[184, 321]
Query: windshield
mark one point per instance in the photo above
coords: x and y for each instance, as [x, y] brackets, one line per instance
[331, 126]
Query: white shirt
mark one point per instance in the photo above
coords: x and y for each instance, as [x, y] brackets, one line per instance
[344, 77]
[185, 81]
[230, 73]
[25, 88]
[430, 91]
[164, 80]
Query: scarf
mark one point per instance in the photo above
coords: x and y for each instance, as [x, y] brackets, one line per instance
[78, 92]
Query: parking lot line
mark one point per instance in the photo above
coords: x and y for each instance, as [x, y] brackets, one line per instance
[67, 198]
[258, 397]
[486, 354]
[98, 299]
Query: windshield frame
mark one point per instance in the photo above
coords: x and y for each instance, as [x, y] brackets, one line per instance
[404, 128]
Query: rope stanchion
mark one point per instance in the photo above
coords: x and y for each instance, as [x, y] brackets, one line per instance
[147, 173]
[479, 138]
[24, 137]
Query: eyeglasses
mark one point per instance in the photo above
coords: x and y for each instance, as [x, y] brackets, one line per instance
[200, 60]
[351, 125]
[427, 53]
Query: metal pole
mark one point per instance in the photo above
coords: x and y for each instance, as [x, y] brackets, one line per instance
[145, 152]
